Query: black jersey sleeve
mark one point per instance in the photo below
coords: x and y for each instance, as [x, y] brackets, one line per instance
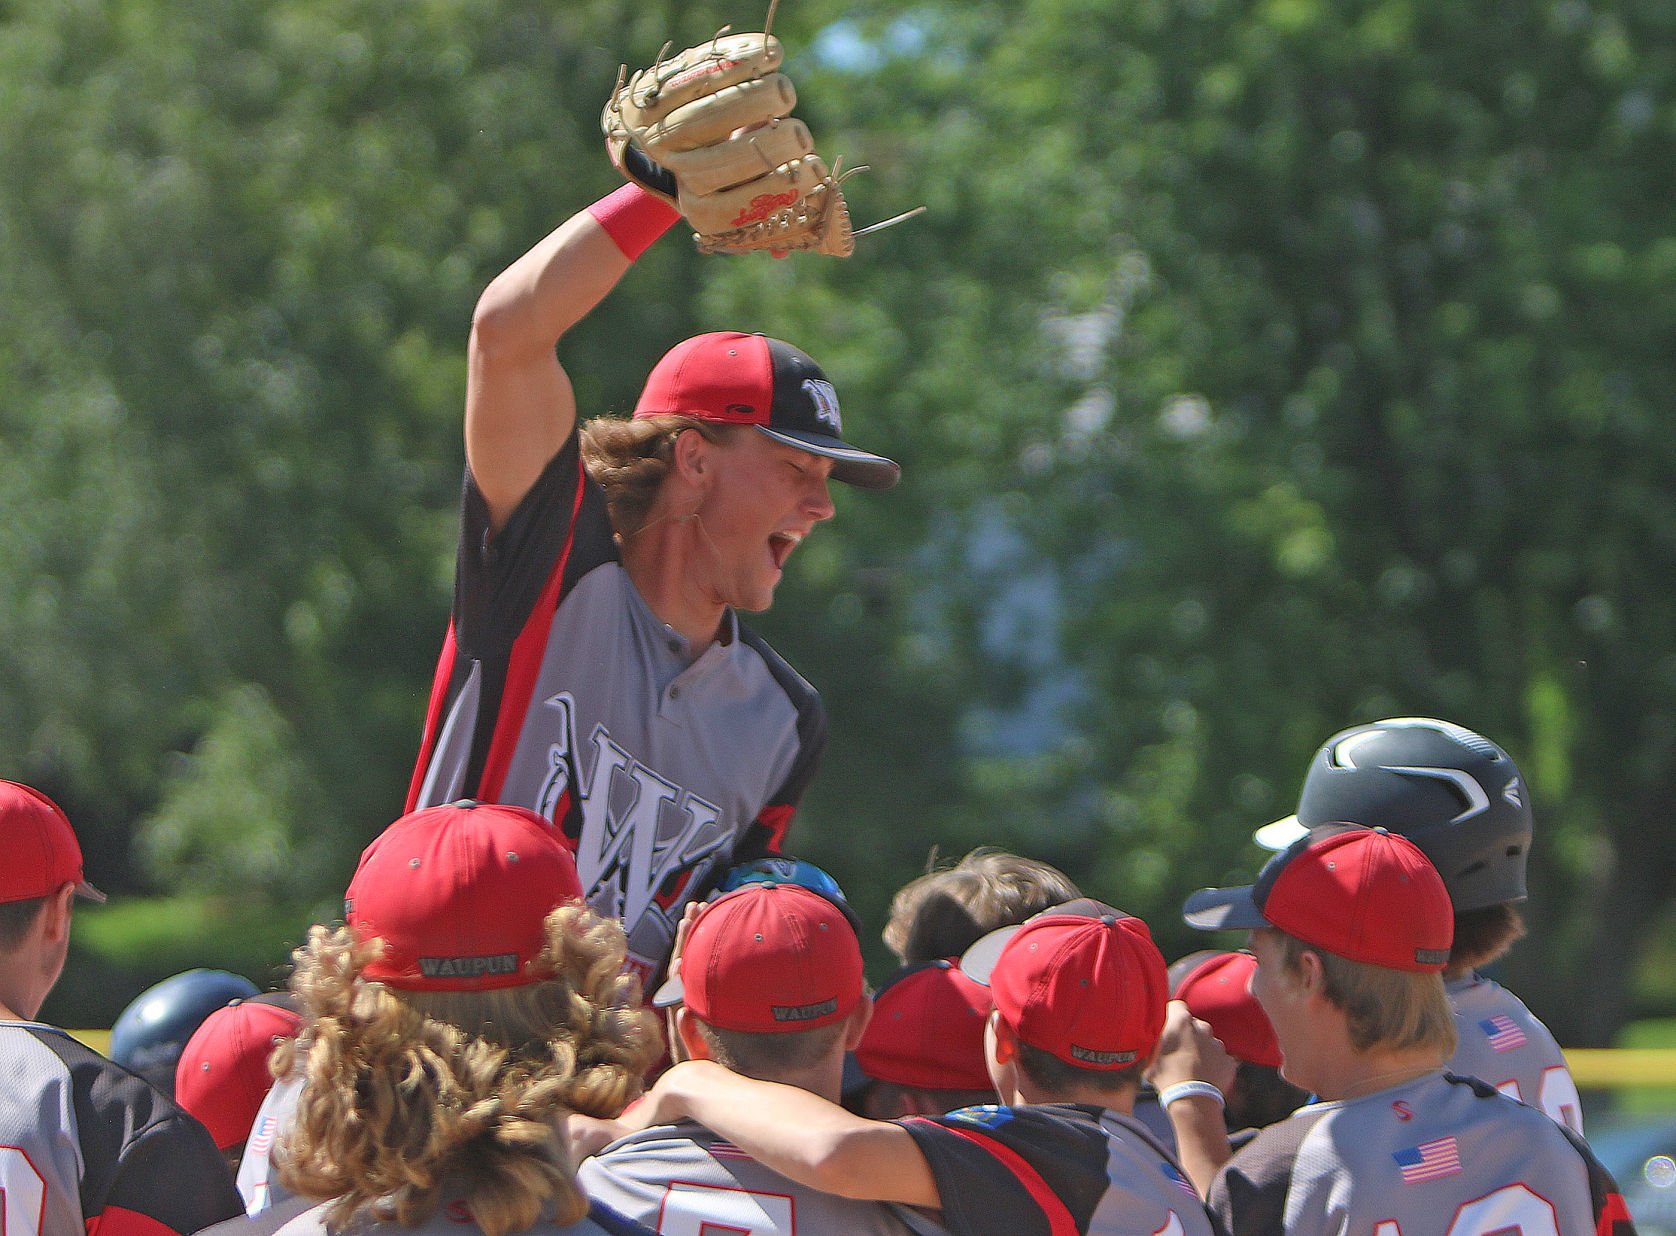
[148, 1169]
[1025, 1170]
[767, 833]
[501, 575]
[1248, 1196]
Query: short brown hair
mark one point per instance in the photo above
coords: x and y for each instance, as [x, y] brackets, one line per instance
[943, 913]
[1387, 1008]
[764, 1056]
[1484, 934]
[16, 920]
[629, 459]
[1057, 1077]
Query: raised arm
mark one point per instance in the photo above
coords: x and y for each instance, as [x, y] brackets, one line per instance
[798, 1134]
[520, 407]
[1189, 1053]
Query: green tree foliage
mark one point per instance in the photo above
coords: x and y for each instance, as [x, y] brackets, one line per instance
[1257, 369]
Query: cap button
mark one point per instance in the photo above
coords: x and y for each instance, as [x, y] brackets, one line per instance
[413, 862]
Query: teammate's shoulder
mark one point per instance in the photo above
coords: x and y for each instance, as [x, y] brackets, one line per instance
[98, 1083]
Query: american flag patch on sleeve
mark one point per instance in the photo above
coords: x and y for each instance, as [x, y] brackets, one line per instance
[1504, 1034]
[1174, 1176]
[1431, 1160]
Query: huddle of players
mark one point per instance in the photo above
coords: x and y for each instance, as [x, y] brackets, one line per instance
[471, 1029]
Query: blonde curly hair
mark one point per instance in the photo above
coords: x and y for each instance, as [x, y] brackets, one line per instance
[404, 1089]
[628, 459]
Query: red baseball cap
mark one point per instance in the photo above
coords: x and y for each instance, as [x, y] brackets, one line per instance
[1364, 894]
[459, 895]
[735, 379]
[223, 1076]
[42, 853]
[1216, 987]
[927, 1030]
[1081, 981]
[768, 959]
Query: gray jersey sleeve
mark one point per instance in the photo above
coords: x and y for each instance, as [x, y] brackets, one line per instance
[683, 1180]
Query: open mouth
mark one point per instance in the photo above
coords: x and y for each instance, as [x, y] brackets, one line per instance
[780, 546]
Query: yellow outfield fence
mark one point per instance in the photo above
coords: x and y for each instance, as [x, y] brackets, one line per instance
[1594, 1068]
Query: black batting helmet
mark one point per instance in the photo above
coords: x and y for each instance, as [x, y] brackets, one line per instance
[152, 1031]
[1452, 792]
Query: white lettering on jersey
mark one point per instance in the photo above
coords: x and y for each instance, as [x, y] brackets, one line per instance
[23, 1194]
[1172, 1226]
[621, 856]
[1512, 1210]
[698, 1210]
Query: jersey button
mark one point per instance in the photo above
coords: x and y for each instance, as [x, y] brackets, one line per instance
[675, 693]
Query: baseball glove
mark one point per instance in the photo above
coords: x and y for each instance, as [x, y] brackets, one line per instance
[711, 132]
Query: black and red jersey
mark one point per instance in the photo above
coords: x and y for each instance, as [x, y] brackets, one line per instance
[560, 690]
[89, 1149]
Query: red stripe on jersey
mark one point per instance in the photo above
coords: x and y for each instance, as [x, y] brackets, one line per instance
[776, 818]
[525, 663]
[120, 1221]
[433, 716]
[1614, 1212]
[1060, 1222]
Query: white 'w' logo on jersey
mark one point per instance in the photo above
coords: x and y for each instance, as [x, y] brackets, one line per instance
[622, 855]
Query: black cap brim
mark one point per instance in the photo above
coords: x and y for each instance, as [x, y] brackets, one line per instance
[851, 465]
[1223, 909]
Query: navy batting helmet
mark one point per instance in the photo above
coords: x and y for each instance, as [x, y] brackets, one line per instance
[1452, 792]
[152, 1031]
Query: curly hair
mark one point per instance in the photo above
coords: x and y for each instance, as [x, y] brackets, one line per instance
[628, 459]
[405, 1088]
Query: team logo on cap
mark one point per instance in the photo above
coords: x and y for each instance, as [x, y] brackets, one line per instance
[1089, 1056]
[825, 398]
[468, 967]
[805, 1012]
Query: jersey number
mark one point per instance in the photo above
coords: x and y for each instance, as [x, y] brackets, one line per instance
[1512, 1209]
[23, 1194]
[708, 1210]
[1559, 1097]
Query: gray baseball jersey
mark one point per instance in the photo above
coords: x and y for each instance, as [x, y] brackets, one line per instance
[454, 1218]
[683, 1180]
[1440, 1156]
[1502, 1042]
[89, 1149]
[558, 689]
[1055, 1169]
[258, 1181]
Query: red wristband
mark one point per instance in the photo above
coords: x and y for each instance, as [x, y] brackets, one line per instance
[633, 218]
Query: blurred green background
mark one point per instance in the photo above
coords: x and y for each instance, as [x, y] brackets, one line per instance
[1258, 368]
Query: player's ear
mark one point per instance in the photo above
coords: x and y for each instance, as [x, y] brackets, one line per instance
[691, 456]
[686, 1029]
[1006, 1042]
[855, 1025]
[55, 915]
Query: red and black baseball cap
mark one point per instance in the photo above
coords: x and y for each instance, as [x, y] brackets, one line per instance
[735, 379]
[1216, 988]
[222, 1076]
[1081, 981]
[459, 895]
[927, 1030]
[768, 959]
[42, 853]
[1364, 894]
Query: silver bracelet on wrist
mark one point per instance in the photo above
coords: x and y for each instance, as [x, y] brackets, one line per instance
[1186, 1089]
